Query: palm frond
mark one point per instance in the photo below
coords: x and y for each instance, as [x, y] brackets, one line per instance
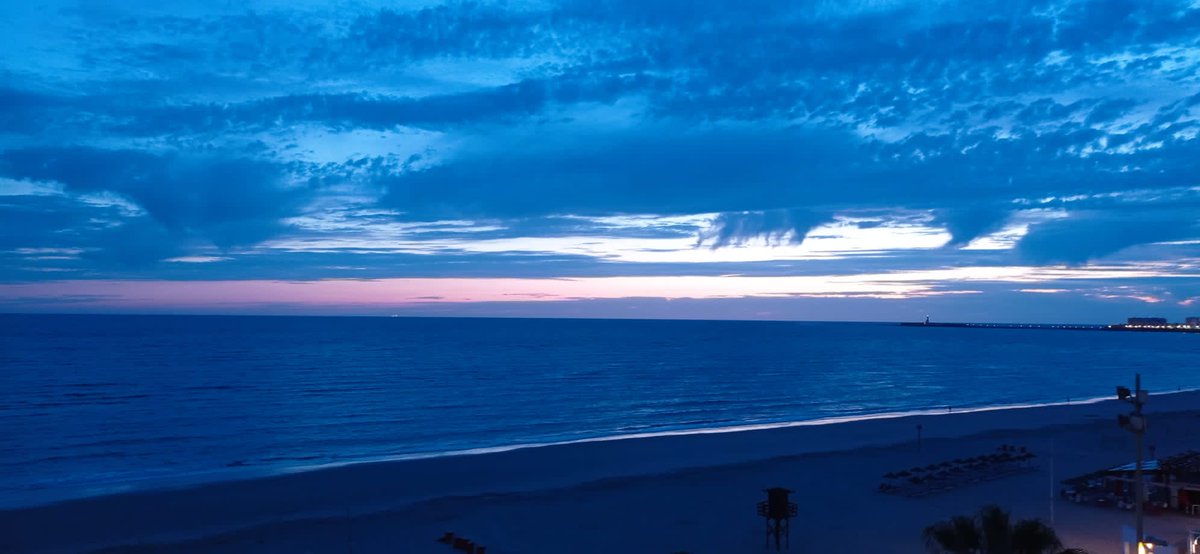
[958, 535]
[1031, 536]
[996, 527]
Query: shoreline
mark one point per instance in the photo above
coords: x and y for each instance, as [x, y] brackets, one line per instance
[834, 420]
[360, 489]
[251, 473]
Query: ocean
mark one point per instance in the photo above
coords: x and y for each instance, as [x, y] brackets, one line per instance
[94, 405]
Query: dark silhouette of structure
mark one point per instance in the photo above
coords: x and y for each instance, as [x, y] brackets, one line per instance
[1136, 423]
[461, 544]
[778, 512]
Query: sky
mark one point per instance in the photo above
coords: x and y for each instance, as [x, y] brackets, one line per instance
[874, 160]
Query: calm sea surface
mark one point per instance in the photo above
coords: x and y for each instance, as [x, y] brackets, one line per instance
[96, 404]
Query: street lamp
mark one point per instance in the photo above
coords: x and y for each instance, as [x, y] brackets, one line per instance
[1135, 422]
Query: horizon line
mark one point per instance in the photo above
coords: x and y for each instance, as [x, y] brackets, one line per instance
[583, 318]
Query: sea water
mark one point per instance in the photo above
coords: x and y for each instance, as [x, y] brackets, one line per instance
[97, 404]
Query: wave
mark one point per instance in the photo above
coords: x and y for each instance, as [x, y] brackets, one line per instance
[835, 420]
[263, 467]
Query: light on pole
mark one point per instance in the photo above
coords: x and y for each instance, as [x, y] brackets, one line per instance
[1135, 422]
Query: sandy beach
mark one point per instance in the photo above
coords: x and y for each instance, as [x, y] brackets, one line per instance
[692, 493]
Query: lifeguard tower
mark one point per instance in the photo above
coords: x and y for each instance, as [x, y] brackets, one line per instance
[778, 512]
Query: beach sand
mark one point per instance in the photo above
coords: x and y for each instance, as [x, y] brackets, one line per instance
[692, 493]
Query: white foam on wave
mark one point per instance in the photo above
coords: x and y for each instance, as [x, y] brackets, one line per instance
[942, 411]
[257, 471]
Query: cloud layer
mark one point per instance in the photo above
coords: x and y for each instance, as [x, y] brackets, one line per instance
[551, 139]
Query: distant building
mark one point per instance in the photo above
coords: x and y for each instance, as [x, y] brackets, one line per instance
[1193, 321]
[1173, 482]
[1146, 321]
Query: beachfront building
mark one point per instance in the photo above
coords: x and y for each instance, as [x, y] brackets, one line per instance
[1182, 477]
[1192, 322]
[1173, 483]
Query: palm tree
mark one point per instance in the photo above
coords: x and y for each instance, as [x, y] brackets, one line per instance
[991, 531]
[1031, 536]
[958, 535]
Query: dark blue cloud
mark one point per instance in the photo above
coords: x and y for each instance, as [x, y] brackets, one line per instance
[774, 116]
[971, 222]
[726, 169]
[456, 29]
[226, 200]
[38, 221]
[58, 237]
[664, 171]
[776, 226]
[27, 112]
[1086, 236]
[570, 226]
[1109, 110]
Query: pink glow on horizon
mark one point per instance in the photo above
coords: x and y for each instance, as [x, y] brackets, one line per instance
[404, 292]
[407, 292]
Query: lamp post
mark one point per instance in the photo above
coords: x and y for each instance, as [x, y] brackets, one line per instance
[1136, 423]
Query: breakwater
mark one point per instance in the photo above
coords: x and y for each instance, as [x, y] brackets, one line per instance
[1169, 328]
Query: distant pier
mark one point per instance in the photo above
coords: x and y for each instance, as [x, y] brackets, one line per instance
[1159, 328]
